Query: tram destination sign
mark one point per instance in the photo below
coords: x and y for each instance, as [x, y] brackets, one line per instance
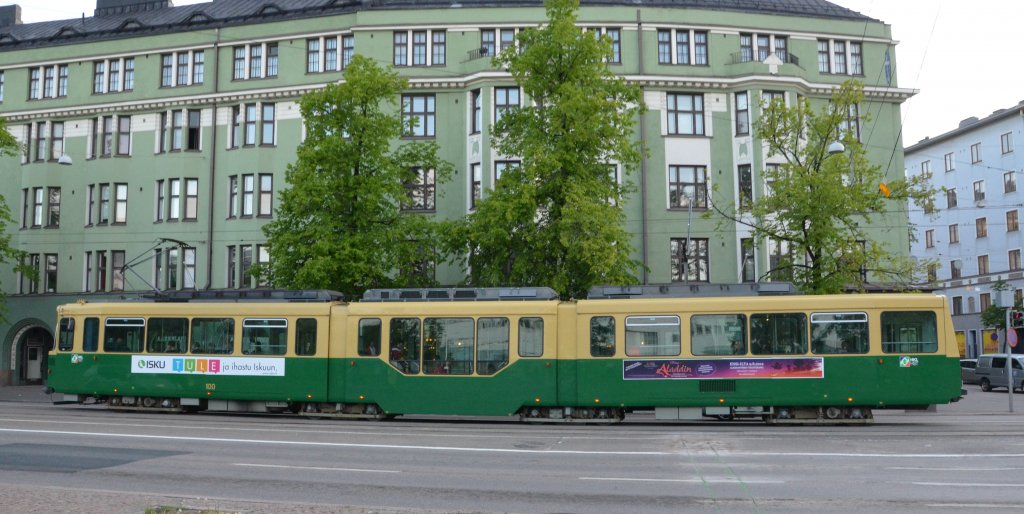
[222, 366]
[685, 369]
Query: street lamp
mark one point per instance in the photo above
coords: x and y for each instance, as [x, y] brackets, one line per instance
[64, 160]
[836, 147]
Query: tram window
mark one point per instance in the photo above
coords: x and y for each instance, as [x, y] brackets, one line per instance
[305, 336]
[91, 335]
[369, 337]
[213, 335]
[405, 345]
[531, 337]
[264, 336]
[718, 334]
[123, 335]
[602, 336]
[778, 334]
[167, 335]
[839, 332]
[652, 335]
[67, 334]
[492, 345]
[909, 332]
[448, 346]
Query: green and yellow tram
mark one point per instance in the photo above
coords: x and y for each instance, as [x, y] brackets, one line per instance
[733, 352]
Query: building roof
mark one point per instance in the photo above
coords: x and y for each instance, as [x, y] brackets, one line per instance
[966, 126]
[220, 13]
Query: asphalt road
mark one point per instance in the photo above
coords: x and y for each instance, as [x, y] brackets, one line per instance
[967, 456]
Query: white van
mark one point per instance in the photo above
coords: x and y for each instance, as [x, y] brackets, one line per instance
[991, 371]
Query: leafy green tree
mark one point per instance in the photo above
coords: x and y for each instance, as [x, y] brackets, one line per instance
[340, 224]
[819, 203]
[556, 220]
[9, 148]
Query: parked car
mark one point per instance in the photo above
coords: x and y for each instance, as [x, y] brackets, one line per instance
[967, 367]
[991, 371]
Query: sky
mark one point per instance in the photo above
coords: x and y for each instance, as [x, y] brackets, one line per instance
[960, 55]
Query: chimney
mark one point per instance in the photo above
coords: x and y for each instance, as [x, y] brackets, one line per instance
[116, 7]
[10, 15]
[968, 122]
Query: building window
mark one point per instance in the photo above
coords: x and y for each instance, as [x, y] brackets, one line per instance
[191, 199]
[232, 268]
[420, 190]
[56, 139]
[256, 61]
[117, 270]
[933, 272]
[268, 124]
[501, 166]
[124, 135]
[985, 301]
[748, 263]
[689, 260]
[37, 207]
[958, 305]
[331, 54]
[746, 183]
[87, 275]
[101, 271]
[1006, 142]
[52, 207]
[266, 203]
[926, 168]
[979, 190]
[419, 48]
[839, 57]
[1012, 225]
[198, 67]
[856, 58]
[1009, 182]
[949, 162]
[664, 46]
[120, 203]
[687, 187]
[780, 260]
[166, 70]
[188, 264]
[194, 120]
[53, 85]
[1014, 257]
[950, 198]
[685, 114]
[954, 233]
[232, 196]
[505, 100]
[250, 124]
[104, 215]
[476, 122]
[177, 123]
[418, 115]
[742, 114]
[983, 264]
[975, 153]
[99, 69]
[929, 238]
[615, 34]
[981, 227]
[401, 49]
[475, 184]
[183, 74]
[313, 55]
[174, 199]
[41, 141]
[90, 204]
[158, 206]
[50, 274]
[238, 68]
[244, 279]
[1, 86]
[824, 62]
[248, 190]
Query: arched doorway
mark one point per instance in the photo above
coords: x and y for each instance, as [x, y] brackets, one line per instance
[33, 344]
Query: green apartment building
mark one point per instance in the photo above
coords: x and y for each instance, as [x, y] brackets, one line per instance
[156, 137]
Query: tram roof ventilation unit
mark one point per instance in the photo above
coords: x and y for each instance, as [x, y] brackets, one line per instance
[690, 290]
[463, 294]
[250, 295]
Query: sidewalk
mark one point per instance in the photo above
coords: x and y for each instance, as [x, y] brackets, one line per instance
[30, 393]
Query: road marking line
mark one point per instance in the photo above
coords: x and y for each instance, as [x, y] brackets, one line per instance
[955, 484]
[316, 468]
[687, 480]
[341, 445]
[971, 505]
[952, 469]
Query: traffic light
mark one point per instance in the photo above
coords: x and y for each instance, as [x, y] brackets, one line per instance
[1016, 318]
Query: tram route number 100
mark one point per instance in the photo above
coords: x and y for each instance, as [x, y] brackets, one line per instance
[211, 387]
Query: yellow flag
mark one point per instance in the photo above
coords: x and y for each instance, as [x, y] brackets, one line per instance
[884, 189]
